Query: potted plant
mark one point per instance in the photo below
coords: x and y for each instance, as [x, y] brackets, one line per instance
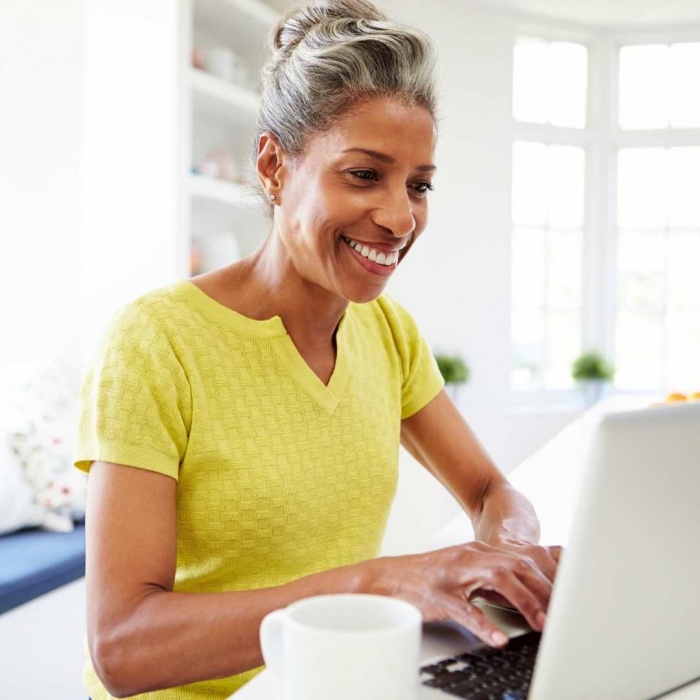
[455, 372]
[593, 372]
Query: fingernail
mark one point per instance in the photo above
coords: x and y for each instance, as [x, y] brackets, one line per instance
[541, 620]
[499, 638]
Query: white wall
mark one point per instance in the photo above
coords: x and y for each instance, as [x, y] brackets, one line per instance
[133, 204]
[41, 93]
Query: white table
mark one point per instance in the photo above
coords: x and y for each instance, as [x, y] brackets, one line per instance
[556, 468]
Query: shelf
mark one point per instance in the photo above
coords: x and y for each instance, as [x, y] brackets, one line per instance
[222, 192]
[242, 22]
[222, 101]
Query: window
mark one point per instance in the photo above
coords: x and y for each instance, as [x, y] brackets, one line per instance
[644, 309]
[548, 196]
[658, 268]
[660, 86]
[549, 82]
[546, 295]
[657, 315]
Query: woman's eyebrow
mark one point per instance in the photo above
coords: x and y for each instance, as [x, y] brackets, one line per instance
[384, 158]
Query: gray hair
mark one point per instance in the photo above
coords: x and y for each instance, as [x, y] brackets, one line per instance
[331, 54]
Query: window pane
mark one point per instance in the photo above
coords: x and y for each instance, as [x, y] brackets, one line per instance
[639, 350]
[528, 269]
[642, 185]
[550, 82]
[644, 87]
[684, 271]
[527, 334]
[563, 345]
[530, 84]
[684, 85]
[566, 175]
[569, 74]
[641, 262]
[565, 261]
[684, 185]
[529, 206]
[683, 360]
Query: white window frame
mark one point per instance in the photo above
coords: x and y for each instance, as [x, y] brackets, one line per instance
[584, 138]
[601, 139]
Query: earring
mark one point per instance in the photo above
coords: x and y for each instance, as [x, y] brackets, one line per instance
[272, 197]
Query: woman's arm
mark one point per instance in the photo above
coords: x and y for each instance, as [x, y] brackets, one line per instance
[143, 636]
[441, 440]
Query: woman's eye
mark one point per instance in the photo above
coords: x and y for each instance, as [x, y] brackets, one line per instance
[365, 174]
[422, 188]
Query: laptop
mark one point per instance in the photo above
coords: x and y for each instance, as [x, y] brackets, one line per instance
[624, 619]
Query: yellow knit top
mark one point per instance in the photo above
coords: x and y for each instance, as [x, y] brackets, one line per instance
[279, 476]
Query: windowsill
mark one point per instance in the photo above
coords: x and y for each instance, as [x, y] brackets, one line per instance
[577, 403]
[549, 407]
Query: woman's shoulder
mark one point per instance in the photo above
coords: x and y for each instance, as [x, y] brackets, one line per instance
[386, 310]
[158, 305]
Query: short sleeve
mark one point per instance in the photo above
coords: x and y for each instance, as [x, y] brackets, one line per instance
[135, 403]
[421, 378]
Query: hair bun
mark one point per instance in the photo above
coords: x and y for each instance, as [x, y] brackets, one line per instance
[294, 26]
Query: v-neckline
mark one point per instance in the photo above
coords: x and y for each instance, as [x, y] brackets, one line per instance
[326, 396]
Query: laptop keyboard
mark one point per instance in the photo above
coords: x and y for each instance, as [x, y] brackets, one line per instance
[487, 673]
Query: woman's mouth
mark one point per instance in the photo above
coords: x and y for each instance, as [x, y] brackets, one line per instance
[372, 259]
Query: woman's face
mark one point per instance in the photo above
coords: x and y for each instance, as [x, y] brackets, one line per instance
[356, 199]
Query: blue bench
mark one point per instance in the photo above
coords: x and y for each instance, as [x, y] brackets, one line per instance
[34, 562]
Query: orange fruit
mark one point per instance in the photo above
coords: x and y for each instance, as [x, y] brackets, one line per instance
[695, 396]
[676, 397]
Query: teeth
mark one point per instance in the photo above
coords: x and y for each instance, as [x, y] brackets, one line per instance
[377, 256]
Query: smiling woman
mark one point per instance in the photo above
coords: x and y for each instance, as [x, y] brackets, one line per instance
[242, 429]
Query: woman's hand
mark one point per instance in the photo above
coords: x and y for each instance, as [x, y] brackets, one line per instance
[545, 557]
[442, 584]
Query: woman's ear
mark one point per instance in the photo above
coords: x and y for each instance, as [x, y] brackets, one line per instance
[269, 163]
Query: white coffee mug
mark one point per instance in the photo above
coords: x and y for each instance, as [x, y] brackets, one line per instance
[344, 647]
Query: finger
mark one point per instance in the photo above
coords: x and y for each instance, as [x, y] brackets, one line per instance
[555, 552]
[469, 615]
[528, 593]
[534, 579]
[546, 562]
[542, 557]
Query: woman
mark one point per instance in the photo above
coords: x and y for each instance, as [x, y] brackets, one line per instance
[242, 429]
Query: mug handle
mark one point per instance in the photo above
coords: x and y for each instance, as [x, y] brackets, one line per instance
[272, 640]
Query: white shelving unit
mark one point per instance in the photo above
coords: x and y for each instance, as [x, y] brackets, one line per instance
[219, 115]
[220, 100]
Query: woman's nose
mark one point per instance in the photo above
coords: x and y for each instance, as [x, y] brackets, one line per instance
[395, 213]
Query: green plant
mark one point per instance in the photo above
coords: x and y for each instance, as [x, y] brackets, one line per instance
[592, 366]
[453, 368]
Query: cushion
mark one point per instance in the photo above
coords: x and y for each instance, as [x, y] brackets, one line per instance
[17, 506]
[34, 562]
[40, 419]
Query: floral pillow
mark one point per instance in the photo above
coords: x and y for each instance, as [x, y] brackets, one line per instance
[17, 506]
[41, 431]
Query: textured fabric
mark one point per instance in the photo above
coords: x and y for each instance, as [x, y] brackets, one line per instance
[279, 476]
